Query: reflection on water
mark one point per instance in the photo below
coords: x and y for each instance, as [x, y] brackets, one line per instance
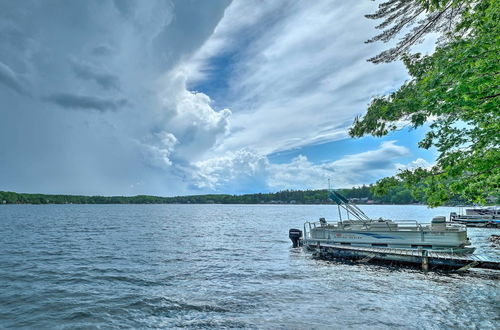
[217, 266]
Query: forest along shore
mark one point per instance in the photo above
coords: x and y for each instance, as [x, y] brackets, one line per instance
[358, 195]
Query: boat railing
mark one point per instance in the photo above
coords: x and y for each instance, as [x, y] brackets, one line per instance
[410, 225]
[476, 217]
[402, 224]
[455, 225]
[477, 211]
[422, 226]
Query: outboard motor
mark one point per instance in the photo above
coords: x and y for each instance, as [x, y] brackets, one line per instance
[295, 235]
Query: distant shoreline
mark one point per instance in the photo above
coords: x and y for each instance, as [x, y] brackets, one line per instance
[256, 204]
[360, 195]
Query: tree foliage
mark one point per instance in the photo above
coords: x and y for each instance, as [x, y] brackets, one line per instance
[456, 90]
[416, 19]
[398, 195]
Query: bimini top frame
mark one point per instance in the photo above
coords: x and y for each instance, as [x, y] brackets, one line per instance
[350, 208]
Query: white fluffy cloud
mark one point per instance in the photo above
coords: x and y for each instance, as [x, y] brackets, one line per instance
[190, 117]
[298, 75]
[239, 168]
[236, 170]
[419, 162]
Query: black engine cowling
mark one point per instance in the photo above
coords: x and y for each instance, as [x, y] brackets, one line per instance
[295, 235]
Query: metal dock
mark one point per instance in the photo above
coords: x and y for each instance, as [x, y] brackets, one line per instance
[424, 258]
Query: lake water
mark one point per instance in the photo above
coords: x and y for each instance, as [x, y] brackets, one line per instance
[218, 266]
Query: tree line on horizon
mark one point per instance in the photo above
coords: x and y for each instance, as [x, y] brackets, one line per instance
[362, 194]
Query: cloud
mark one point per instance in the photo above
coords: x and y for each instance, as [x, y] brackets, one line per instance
[379, 158]
[120, 60]
[350, 170]
[182, 97]
[196, 125]
[242, 169]
[236, 170]
[125, 7]
[87, 71]
[83, 102]
[102, 50]
[158, 154]
[299, 77]
[417, 163]
[10, 79]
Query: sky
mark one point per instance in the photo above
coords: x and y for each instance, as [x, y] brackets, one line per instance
[189, 97]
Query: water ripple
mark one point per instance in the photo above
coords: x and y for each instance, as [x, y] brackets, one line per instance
[216, 266]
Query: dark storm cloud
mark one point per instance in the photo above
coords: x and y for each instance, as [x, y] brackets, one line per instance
[11, 35]
[10, 79]
[73, 101]
[105, 63]
[102, 50]
[86, 71]
[125, 7]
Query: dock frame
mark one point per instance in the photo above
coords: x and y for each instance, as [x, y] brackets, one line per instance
[426, 259]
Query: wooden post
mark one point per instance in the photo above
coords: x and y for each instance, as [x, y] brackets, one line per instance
[425, 261]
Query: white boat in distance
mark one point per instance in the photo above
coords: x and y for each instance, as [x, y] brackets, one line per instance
[359, 230]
